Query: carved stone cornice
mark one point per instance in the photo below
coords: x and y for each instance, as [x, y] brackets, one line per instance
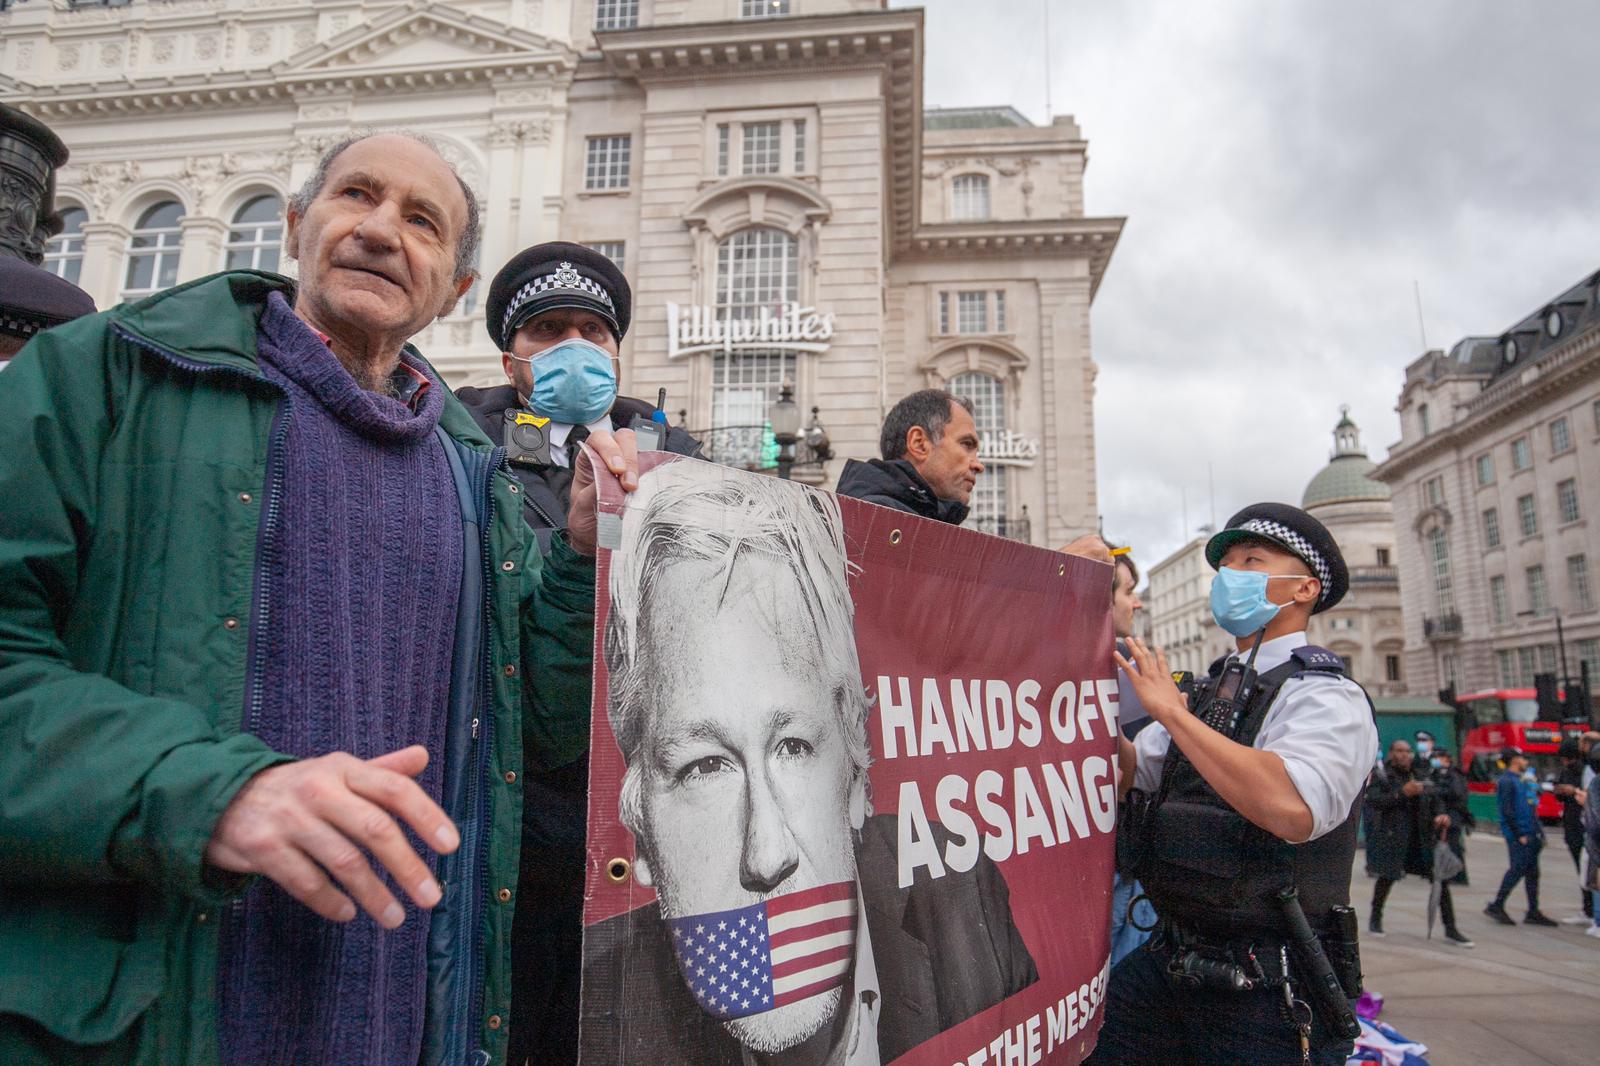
[1093, 238]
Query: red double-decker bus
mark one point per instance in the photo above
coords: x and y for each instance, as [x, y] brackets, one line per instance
[1489, 722]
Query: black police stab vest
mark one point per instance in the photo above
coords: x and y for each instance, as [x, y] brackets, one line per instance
[1213, 872]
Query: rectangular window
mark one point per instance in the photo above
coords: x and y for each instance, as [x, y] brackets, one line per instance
[1443, 587]
[999, 310]
[970, 198]
[744, 385]
[1433, 491]
[761, 141]
[1499, 605]
[1486, 469]
[1391, 668]
[612, 250]
[616, 14]
[944, 312]
[1567, 500]
[1589, 652]
[1560, 436]
[1521, 454]
[1547, 658]
[763, 9]
[607, 162]
[1507, 665]
[1491, 528]
[1538, 598]
[723, 135]
[1527, 515]
[799, 146]
[972, 312]
[1383, 556]
[1527, 664]
[1582, 599]
[1449, 668]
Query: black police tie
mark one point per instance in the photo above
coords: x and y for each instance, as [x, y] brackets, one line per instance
[575, 440]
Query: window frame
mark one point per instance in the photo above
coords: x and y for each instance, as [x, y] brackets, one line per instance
[1568, 507]
[623, 16]
[1521, 454]
[159, 253]
[63, 253]
[1528, 515]
[248, 236]
[601, 157]
[971, 197]
[1491, 527]
[1560, 436]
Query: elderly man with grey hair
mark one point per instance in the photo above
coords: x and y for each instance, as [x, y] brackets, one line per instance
[735, 696]
[275, 646]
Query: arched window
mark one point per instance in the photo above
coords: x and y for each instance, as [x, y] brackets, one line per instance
[987, 394]
[1439, 556]
[63, 256]
[970, 198]
[153, 251]
[255, 239]
[756, 268]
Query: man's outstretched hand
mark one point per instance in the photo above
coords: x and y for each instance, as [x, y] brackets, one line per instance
[620, 454]
[302, 822]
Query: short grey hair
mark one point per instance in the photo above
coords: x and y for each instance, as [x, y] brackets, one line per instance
[466, 243]
[929, 408]
[686, 510]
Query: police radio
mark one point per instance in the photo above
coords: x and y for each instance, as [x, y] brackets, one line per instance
[1231, 693]
[651, 433]
[526, 437]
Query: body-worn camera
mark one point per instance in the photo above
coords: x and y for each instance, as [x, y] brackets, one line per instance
[526, 437]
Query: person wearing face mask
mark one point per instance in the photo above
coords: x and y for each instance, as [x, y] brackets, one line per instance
[1569, 790]
[1451, 784]
[1239, 793]
[1407, 817]
[557, 312]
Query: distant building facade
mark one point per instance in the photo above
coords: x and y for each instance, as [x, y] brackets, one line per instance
[763, 170]
[1364, 628]
[1495, 481]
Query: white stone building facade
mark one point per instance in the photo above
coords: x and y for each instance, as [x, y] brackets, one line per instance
[746, 161]
[1178, 602]
[1495, 480]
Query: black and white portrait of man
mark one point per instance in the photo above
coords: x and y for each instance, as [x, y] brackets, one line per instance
[779, 933]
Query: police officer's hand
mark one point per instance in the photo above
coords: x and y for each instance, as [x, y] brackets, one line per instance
[299, 822]
[620, 454]
[1090, 546]
[1412, 788]
[1151, 679]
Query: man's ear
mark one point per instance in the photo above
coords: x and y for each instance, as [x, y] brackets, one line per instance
[918, 446]
[461, 287]
[291, 233]
[1310, 592]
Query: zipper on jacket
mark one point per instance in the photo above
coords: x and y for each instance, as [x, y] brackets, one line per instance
[477, 796]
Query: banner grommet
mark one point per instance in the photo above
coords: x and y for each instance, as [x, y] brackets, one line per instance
[617, 871]
[894, 536]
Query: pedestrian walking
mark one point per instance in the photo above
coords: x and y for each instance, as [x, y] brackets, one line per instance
[1517, 798]
[1569, 790]
[1453, 792]
[1407, 817]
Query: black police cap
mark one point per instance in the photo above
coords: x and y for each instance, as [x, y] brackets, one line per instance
[32, 299]
[554, 275]
[1295, 532]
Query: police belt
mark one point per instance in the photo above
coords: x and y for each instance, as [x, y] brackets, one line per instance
[1235, 964]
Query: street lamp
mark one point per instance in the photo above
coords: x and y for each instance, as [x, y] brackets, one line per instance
[817, 438]
[784, 418]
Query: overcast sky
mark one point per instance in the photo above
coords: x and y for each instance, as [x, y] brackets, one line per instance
[1288, 170]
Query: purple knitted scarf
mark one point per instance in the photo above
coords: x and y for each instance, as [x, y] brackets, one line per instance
[360, 580]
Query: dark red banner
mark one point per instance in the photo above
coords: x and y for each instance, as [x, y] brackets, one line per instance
[852, 785]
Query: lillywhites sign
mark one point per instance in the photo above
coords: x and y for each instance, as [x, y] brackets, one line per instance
[702, 329]
[1007, 448]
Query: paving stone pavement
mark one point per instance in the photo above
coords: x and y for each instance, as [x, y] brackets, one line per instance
[1523, 995]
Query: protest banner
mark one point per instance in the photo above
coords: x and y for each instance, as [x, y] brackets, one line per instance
[852, 784]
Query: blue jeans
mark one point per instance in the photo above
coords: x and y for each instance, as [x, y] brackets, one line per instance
[1149, 1020]
[1126, 935]
[1525, 868]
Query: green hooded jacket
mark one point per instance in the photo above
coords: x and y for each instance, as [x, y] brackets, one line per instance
[137, 484]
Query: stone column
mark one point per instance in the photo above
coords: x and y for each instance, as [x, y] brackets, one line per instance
[105, 246]
[201, 252]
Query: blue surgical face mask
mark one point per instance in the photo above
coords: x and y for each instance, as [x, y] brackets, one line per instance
[1436, 762]
[1239, 600]
[1423, 747]
[573, 382]
[1529, 776]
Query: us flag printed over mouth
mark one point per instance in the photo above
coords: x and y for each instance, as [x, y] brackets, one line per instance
[770, 954]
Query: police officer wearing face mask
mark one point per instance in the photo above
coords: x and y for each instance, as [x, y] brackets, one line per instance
[1241, 822]
[557, 312]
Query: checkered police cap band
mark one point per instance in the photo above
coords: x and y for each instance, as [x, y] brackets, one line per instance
[1297, 544]
[565, 277]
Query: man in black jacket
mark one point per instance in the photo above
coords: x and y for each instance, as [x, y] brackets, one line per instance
[1569, 789]
[1451, 784]
[930, 459]
[1406, 818]
[557, 312]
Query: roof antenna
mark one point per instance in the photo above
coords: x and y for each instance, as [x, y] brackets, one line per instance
[1422, 331]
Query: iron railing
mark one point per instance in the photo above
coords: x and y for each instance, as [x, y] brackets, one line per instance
[1000, 526]
[1444, 627]
[752, 448]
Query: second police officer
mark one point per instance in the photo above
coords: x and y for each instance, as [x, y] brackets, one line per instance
[557, 312]
[1241, 822]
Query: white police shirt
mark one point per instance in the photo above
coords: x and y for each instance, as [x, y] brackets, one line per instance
[560, 431]
[1320, 726]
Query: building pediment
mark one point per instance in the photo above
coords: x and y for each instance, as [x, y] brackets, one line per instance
[425, 37]
[764, 200]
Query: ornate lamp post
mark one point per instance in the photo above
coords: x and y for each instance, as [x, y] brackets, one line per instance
[784, 418]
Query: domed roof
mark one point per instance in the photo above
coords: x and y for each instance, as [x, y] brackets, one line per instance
[1345, 478]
